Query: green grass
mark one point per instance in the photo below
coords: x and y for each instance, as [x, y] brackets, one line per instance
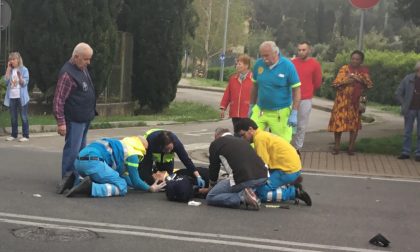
[394, 109]
[177, 111]
[387, 145]
[207, 82]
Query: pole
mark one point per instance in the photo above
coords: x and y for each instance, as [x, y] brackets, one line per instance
[362, 21]
[222, 57]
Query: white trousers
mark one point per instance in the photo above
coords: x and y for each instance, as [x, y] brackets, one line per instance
[304, 112]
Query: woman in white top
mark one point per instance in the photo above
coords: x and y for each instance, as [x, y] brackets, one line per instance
[17, 97]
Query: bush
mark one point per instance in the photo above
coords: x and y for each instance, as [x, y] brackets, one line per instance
[387, 69]
[2, 89]
[214, 73]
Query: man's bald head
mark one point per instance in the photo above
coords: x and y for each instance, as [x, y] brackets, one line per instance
[269, 52]
[82, 54]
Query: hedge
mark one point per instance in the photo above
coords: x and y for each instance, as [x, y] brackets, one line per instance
[214, 73]
[387, 69]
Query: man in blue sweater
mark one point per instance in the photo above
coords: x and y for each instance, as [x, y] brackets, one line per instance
[109, 165]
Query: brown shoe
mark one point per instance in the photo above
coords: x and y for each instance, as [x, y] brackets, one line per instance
[251, 200]
[335, 151]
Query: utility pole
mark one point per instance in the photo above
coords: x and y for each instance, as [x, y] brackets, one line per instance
[223, 55]
[362, 21]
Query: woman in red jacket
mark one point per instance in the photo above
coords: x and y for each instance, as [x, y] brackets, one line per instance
[238, 92]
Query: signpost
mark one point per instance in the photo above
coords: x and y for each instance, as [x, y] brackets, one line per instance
[363, 5]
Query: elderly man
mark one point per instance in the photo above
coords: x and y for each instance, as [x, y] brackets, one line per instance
[276, 92]
[408, 94]
[74, 108]
[310, 75]
[245, 169]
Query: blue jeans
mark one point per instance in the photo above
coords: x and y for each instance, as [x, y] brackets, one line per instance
[224, 195]
[14, 107]
[409, 118]
[106, 181]
[278, 178]
[75, 141]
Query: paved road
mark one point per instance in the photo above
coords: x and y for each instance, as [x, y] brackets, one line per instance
[318, 120]
[347, 211]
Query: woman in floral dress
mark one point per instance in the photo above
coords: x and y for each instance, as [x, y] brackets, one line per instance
[350, 82]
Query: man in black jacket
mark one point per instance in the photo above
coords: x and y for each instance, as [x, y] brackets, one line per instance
[246, 171]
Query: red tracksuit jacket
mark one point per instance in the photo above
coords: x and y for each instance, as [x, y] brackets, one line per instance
[238, 96]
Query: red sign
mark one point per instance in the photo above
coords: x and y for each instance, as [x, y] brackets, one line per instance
[364, 4]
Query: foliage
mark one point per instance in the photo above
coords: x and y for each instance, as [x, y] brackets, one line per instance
[159, 29]
[177, 111]
[47, 36]
[208, 41]
[387, 145]
[255, 39]
[207, 82]
[410, 37]
[386, 68]
[214, 73]
[2, 89]
[409, 10]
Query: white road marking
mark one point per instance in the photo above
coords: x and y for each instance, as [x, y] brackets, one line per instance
[172, 234]
[361, 177]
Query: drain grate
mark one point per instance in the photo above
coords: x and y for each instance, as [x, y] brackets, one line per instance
[52, 234]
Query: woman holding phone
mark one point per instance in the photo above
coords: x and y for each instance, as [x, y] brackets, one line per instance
[17, 97]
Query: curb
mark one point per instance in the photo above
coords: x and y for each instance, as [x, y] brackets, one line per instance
[365, 118]
[100, 125]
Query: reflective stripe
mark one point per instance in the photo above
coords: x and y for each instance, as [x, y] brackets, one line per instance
[165, 158]
[150, 131]
[132, 164]
[108, 190]
[117, 191]
[106, 144]
[270, 196]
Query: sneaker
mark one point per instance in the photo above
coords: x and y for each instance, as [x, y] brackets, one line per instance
[251, 200]
[84, 187]
[66, 183]
[302, 195]
[403, 156]
[10, 138]
[24, 139]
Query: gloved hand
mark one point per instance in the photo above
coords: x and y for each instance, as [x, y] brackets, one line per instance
[200, 182]
[250, 109]
[292, 122]
[157, 187]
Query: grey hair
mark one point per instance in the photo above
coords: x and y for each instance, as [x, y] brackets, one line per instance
[82, 48]
[417, 67]
[271, 44]
[16, 55]
[220, 131]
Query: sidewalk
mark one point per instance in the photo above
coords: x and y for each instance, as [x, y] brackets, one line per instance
[316, 153]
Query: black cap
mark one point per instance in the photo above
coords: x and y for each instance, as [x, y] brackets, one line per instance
[180, 189]
[380, 241]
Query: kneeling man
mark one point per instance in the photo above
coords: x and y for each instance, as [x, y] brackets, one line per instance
[282, 160]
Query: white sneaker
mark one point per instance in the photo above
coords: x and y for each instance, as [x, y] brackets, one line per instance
[10, 138]
[24, 139]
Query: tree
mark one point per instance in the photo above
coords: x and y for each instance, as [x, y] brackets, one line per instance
[159, 28]
[55, 27]
[409, 10]
[208, 40]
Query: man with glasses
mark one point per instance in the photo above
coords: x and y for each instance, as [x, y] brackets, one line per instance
[408, 94]
[275, 96]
